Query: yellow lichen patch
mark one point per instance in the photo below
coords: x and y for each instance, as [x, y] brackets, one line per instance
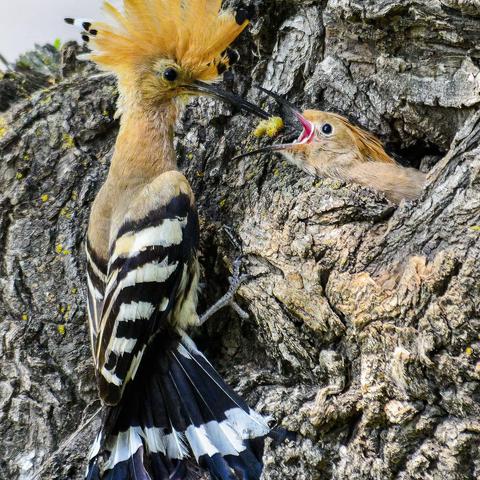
[3, 127]
[190, 156]
[74, 291]
[475, 228]
[469, 351]
[61, 329]
[44, 198]
[68, 141]
[270, 127]
[26, 157]
[19, 175]
[24, 317]
[61, 250]
[200, 174]
[222, 203]
[74, 195]
[65, 212]
[46, 100]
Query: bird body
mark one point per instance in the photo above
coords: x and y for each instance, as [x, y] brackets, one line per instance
[163, 401]
[332, 147]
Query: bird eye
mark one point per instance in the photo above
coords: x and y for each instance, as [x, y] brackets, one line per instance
[170, 74]
[327, 129]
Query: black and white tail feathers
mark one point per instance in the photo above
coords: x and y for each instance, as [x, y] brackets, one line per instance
[175, 408]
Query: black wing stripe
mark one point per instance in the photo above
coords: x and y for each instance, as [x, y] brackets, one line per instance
[97, 282]
[125, 343]
[180, 206]
[151, 273]
[145, 282]
[167, 233]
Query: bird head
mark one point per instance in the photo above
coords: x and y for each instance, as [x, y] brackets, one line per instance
[167, 49]
[326, 141]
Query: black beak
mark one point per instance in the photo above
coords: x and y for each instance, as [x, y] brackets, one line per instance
[214, 90]
[299, 125]
[281, 101]
[295, 126]
[268, 148]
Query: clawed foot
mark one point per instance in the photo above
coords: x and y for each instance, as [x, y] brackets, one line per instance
[235, 280]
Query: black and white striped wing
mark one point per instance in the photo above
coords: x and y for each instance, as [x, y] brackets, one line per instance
[96, 282]
[152, 271]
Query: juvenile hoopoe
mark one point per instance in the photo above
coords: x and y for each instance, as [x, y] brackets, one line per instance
[163, 401]
[330, 146]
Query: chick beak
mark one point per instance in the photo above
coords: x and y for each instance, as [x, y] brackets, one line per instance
[213, 90]
[302, 126]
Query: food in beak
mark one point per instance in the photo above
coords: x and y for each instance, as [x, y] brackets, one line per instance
[270, 127]
[306, 128]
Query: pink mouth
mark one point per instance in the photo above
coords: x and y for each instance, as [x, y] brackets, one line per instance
[308, 133]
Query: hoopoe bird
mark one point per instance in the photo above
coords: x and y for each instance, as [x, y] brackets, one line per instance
[164, 403]
[330, 146]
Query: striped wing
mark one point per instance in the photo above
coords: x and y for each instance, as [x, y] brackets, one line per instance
[96, 281]
[151, 274]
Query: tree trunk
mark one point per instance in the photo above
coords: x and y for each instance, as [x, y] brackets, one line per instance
[363, 335]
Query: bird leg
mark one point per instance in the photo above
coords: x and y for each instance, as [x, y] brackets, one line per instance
[235, 280]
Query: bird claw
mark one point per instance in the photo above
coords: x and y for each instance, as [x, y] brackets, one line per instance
[236, 280]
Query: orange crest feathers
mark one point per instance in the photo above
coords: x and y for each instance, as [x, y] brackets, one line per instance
[193, 33]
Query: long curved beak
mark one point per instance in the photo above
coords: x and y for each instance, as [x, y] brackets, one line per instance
[214, 90]
[302, 126]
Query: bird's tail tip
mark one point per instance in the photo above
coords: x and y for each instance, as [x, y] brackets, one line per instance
[180, 411]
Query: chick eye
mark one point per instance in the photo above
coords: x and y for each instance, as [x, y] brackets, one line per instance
[327, 129]
[170, 74]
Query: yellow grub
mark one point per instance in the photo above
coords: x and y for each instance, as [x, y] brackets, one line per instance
[270, 127]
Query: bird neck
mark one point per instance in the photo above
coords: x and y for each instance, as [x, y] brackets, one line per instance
[144, 148]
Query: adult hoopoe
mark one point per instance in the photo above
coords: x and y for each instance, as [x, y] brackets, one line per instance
[163, 400]
[330, 146]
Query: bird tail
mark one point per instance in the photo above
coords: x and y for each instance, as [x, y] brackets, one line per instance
[175, 408]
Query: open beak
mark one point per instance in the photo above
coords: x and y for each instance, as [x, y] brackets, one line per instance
[302, 126]
[213, 90]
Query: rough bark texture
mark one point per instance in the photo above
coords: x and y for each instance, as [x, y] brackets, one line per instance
[363, 336]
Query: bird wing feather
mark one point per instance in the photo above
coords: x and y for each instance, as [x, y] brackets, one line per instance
[151, 266]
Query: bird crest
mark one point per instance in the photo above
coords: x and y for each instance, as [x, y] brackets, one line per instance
[195, 34]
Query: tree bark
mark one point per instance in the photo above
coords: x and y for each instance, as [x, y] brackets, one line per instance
[364, 318]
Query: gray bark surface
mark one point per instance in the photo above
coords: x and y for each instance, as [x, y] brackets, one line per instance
[364, 318]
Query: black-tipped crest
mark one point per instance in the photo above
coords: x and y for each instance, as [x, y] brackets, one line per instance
[244, 13]
[233, 56]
